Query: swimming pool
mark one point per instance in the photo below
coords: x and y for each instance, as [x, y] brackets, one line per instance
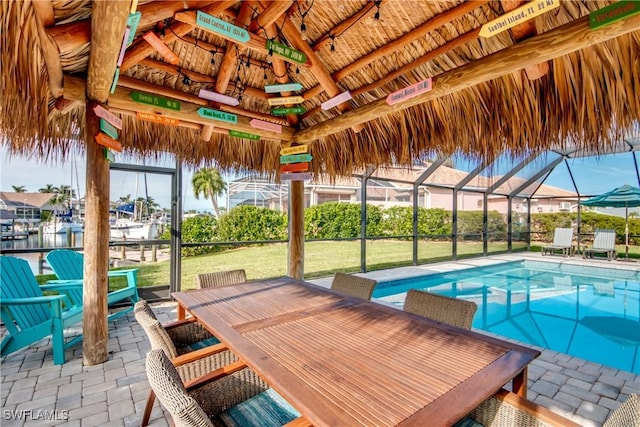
[588, 312]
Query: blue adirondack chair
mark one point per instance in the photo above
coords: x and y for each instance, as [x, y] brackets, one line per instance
[30, 316]
[68, 267]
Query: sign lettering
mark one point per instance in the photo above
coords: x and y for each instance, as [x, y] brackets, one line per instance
[409, 92]
[244, 135]
[288, 110]
[298, 149]
[285, 100]
[210, 113]
[613, 13]
[156, 101]
[132, 23]
[517, 16]
[103, 113]
[286, 87]
[162, 48]
[155, 118]
[108, 128]
[219, 26]
[108, 142]
[336, 100]
[261, 124]
[303, 176]
[286, 52]
[295, 158]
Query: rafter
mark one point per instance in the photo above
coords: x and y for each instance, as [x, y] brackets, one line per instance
[558, 42]
[43, 11]
[270, 15]
[340, 29]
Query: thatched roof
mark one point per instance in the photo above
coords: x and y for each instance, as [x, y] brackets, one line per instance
[588, 98]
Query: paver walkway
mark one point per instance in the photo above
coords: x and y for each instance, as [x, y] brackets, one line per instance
[35, 392]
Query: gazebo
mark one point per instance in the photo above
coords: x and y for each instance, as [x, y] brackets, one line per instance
[295, 88]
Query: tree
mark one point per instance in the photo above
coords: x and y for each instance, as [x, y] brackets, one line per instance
[49, 188]
[209, 183]
[19, 188]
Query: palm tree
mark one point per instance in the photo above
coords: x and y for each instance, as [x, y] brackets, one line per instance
[19, 188]
[209, 183]
[49, 188]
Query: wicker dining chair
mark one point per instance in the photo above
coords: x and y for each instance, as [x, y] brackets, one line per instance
[220, 402]
[192, 349]
[359, 287]
[220, 279]
[453, 311]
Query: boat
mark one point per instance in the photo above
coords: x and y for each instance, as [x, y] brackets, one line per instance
[8, 233]
[61, 225]
[125, 227]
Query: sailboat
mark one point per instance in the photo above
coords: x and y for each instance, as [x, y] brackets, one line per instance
[125, 226]
[62, 223]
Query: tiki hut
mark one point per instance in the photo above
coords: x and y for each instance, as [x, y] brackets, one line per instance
[358, 83]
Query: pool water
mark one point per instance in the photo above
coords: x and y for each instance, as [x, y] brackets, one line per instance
[588, 312]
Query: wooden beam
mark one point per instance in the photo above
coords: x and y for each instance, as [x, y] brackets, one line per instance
[342, 27]
[555, 43]
[141, 49]
[295, 249]
[108, 23]
[270, 15]
[121, 99]
[221, 50]
[43, 11]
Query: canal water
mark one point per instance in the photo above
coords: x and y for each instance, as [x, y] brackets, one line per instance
[48, 241]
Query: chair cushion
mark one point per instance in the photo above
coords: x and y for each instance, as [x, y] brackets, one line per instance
[201, 344]
[467, 422]
[265, 409]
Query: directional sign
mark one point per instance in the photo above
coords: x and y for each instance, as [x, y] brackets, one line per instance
[219, 26]
[114, 83]
[261, 124]
[286, 52]
[156, 101]
[244, 135]
[162, 48]
[132, 23]
[123, 47]
[108, 128]
[409, 92]
[295, 158]
[304, 176]
[155, 118]
[517, 16]
[109, 156]
[336, 100]
[103, 113]
[285, 100]
[294, 167]
[613, 13]
[298, 149]
[288, 110]
[108, 142]
[210, 113]
[218, 97]
[285, 87]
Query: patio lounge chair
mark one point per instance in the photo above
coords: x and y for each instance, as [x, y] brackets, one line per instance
[68, 266]
[453, 311]
[604, 241]
[562, 241]
[215, 401]
[30, 316]
[359, 287]
[220, 279]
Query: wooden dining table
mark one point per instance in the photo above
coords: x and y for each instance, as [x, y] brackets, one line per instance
[343, 361]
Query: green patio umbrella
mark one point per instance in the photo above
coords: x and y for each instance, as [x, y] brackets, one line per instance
[626, 197]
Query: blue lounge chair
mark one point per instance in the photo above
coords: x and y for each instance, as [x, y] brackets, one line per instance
[68, 266]
[29, 316]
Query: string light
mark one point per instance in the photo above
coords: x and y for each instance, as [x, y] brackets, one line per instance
[377, 4]
[264, 70]
[186, 80]
[333, 42]
[303, 27]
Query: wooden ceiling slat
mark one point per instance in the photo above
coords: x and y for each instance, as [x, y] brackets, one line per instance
[558, 42]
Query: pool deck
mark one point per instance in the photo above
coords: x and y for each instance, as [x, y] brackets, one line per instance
[34, 392]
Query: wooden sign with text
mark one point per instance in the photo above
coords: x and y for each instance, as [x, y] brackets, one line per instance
[109, 156]
[108, 142]
[261, 124]
[613, 13]
[294, 167]
[517, 16]
[336, 100]
[286, 52]
[299, 176]
[210, 113]
[103, 113]
[285, 100]
[221, 27]
[298, 149]
[285, 87]
[409, 92]
[156, 101]
[155, 118]
[162, 48]
[108, 128]
[244, 135]
[288, 110]
[132, 23]
[295, 158]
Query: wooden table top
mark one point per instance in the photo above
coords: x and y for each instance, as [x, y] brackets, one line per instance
[344, 361]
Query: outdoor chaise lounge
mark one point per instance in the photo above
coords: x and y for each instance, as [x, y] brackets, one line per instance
[221, 400]
[29, 316]
[68, 266]
[604, 241]
[220, 279]
[359, 287]
[453, 311]
[562, 241]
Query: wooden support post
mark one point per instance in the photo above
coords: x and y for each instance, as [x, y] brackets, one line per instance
[142, 257]
[296, 230]
[108, 22]
[154, 253]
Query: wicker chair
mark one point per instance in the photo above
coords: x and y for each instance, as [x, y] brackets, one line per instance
[220, 402]
[359, 287]
[192, 349]
[453, 311]
[220, 279]
[627, 414]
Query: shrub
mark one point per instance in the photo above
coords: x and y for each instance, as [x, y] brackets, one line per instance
[250, 223]
[398, 221]
[197, 230]
[339, 220]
